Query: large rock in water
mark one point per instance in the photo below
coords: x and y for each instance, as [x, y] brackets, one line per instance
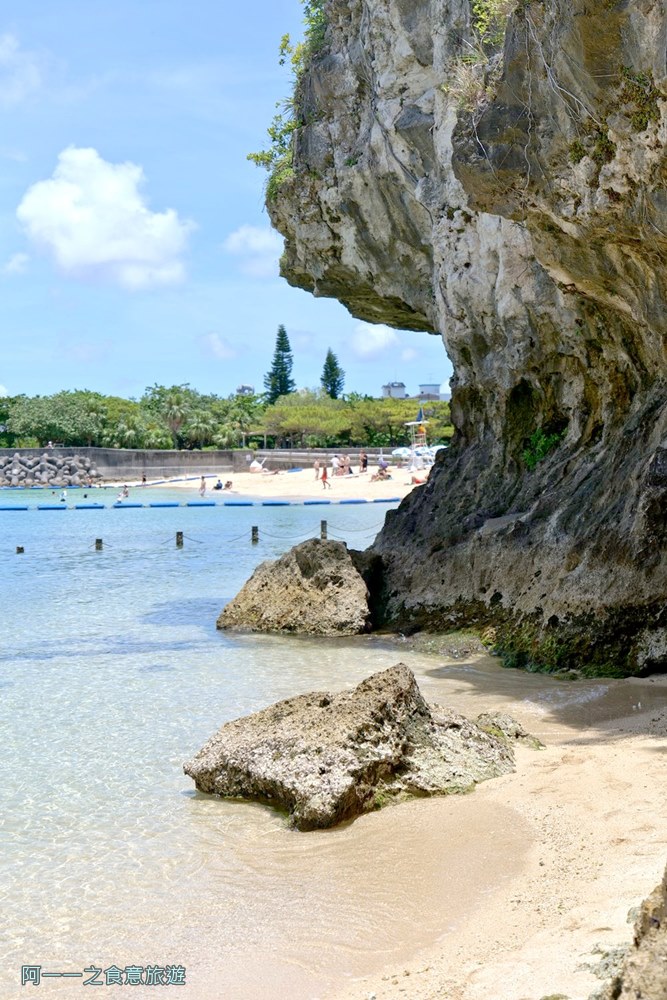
[314, 588]
[326, 758]
[518, 209]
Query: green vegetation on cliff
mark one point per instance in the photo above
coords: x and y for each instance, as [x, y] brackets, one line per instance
[278, 158]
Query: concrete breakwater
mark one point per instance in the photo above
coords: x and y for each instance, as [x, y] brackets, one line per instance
[63, 465]
[48, 469]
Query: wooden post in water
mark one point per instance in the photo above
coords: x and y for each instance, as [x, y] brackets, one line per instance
[98, 545]
[179, 539]
[19, 550]
[323, 531]
[254, 536]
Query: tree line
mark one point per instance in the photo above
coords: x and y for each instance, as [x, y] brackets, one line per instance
[179, 417]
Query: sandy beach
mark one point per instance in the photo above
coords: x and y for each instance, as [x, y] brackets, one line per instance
[300, 485]
[589, 839]
[593, 803]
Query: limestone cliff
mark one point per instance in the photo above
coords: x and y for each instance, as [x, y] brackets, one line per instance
[516, 206]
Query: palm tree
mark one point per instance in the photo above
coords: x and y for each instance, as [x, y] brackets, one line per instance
[199, 428]
[175, 411]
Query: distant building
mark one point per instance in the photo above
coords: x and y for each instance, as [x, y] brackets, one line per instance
[394, 390]
[429, 392]
[245, 390]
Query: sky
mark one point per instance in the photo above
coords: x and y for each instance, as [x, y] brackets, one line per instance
[134, 244]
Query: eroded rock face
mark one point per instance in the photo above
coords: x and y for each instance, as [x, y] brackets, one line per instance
[314, 589]
[644, 969]
[531, 234]
[325, 758]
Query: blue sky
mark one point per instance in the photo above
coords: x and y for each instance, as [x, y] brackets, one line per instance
[134, 244]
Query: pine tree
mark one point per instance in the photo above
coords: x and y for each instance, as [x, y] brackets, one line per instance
[333, 376]
[278, 381]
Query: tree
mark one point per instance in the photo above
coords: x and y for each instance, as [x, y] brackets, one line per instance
[278, 381]
[333, 376]
[308, 417]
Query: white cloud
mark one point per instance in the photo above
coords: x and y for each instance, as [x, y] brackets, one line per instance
[16, 264]
[20, 73]
[258, 250]
[215, 346]
[409, 354]
[370, 340]
[3, 391]
[92, 219]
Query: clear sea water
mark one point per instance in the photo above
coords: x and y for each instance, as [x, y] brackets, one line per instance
[112, 674]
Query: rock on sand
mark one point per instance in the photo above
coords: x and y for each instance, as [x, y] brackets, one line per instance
[325, 758]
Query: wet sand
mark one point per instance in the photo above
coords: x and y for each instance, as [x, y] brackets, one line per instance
[592, 803]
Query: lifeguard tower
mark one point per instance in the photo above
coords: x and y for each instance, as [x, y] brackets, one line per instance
[417, 441]
[417, 431]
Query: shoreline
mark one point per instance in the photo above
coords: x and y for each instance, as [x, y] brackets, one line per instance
[592, 802]
[298, 485]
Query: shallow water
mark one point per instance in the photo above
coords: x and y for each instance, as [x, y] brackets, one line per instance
[112, 674]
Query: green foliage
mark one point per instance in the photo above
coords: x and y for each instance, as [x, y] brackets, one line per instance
[278, 158]
[71, 418]
[178, 416]
[307, 418]
[639, 90]
[165, 417]
[278, 381]
[314, 419]
[333, 376]
[604, 150]
[489, 20]
[577, 151]
[539, 446]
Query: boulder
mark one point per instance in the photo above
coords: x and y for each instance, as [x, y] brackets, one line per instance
[643, 972]
[314, 588]
[325, 758]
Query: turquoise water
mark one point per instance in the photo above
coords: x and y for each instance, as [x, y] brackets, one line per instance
[111, 675]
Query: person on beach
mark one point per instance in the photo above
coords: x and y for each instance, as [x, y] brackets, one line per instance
[363, 462]
[335, 461]
[143, 479]
[63, 496]
[316, 466]
[326, 485]
[202, 486]
[228, 484]
[218, 485]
